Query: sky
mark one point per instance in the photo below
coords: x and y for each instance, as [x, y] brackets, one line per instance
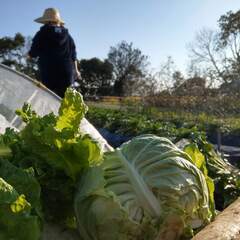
[159, 28]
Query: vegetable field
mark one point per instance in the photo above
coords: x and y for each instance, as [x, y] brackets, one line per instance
[173, 124]
[166, 182]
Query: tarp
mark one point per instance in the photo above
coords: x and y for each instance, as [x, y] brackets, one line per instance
[17, 88]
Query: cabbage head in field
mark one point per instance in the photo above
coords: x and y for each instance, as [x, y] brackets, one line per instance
[146, 189]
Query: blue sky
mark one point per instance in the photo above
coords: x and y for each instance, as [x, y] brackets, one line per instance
[158, 27]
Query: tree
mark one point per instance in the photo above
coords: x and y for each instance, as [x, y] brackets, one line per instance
[178, 79]
[205, 52]
[13, 53]
[129, 65]
[149, 86]
[96, 76]
[195, 86]
[229, 25]
[218, 52]
[165, 75]
[10, 50]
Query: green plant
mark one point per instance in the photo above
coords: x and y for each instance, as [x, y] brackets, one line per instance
[48, 155]
[146, 189]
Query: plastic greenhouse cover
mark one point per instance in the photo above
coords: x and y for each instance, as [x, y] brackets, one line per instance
[17, 88]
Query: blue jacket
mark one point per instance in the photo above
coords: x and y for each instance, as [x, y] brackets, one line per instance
[53, 43]
[56, 53]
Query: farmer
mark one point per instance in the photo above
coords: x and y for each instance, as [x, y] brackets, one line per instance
[56, 52]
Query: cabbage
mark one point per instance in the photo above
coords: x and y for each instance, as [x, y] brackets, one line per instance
[146, 189]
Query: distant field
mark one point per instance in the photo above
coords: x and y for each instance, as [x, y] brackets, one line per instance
[220, 106]
[103, 105]
[228, 121]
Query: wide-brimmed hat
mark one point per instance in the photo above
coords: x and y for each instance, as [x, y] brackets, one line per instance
[50, 15]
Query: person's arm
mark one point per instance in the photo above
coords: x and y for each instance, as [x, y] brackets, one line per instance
[76, 69]
[35, 47]
[74, 57]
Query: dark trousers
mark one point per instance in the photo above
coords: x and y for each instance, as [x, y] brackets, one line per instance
[56, 75]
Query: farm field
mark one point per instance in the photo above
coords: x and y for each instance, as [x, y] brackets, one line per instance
[64, 163]
[103, 114]
[120, 120]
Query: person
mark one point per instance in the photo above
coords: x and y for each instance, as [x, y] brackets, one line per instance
[56, 52]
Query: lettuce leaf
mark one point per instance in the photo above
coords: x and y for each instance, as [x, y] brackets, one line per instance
[17, 220]
[72, 111]
[56, 140]
[24, 182]
[58, 151]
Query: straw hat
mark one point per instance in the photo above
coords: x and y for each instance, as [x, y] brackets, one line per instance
[50, 15]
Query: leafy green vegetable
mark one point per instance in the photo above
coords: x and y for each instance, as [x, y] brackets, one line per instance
[16, 219]
[23, 181]
[198, 160]
[8, 193]
[5, 151]
[146, 189]
[72, 111]
[56, 140]
[226, 177]
[51, 152]
[57, 151]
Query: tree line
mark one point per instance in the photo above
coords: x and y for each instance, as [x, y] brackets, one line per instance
[214, 65]
[115, 75]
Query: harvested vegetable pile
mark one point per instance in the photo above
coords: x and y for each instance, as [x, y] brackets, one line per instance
[51, 172]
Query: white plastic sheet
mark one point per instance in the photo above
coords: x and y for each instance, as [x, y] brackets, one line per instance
[17, 88]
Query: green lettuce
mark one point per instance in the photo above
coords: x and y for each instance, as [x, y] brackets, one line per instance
[23, 181]
[57, 150]
[71, 111]
[57, 141]
[19, 219]
[146, 189]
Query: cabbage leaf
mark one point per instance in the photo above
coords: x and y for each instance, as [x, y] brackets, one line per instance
[146, 189]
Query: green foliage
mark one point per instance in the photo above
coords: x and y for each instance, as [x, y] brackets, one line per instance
[172, 124]
[145, 189]
[13, 54]
[5, 151]
[226, 177]
[229, 24]
[178, 126]
[71, 112]
[128, 64]
[56, 140]
[19, 203]
[23, 181]
[198, 159]
[51, 152]
[11, 45]
[96, 76]
[130, 123]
